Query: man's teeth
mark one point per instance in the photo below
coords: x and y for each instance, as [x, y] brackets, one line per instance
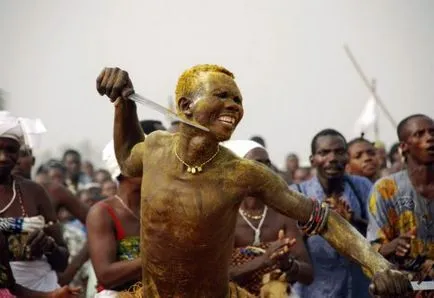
[227, 119]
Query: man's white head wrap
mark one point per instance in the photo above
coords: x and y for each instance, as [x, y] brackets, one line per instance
[241, 147]
[23, 130]
[109, 159]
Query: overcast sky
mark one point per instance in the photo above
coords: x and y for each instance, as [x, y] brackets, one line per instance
[287, 56]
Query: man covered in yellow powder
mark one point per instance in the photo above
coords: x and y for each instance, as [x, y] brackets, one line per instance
[192, 189]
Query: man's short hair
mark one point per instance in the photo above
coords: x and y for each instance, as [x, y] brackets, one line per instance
[55, 164]
[404, 122]
[149, 126]
[360, 139]
[393, 150]
[258, 139]
[71, 152]
[323, 133]
[186, 86]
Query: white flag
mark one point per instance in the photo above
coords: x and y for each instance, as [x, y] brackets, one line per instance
[367, 118]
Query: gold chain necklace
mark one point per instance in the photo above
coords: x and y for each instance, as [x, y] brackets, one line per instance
[199, 168]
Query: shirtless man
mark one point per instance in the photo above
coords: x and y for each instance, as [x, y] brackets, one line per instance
[61, 199]
[21, 197]
[60, 196]
[260, 226]
[192, 190]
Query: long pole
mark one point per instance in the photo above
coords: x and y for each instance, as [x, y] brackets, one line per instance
[376, 124]
[369, 86]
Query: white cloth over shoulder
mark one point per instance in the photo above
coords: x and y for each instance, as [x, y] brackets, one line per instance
[23, 130]
[35, 275]
[241, 147]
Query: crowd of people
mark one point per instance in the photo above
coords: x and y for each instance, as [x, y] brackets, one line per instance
[180, 212]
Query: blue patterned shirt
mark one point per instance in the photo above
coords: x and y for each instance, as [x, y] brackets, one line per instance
[334, 275]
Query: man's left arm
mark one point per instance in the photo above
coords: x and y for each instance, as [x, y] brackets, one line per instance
[301, 269]
[337, 231]
[64, 198]
[50, 240]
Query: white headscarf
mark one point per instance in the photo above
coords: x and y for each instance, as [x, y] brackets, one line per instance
[109, 159]
[241, 147]
[25, 131]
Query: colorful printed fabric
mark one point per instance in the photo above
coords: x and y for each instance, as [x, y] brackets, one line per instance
[335, 276]
[395, 208]
[251, 282]
[129, 248]
[17, 231]
[11, 224]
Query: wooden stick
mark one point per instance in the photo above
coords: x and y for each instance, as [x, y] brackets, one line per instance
[376, 123]
[369, 86]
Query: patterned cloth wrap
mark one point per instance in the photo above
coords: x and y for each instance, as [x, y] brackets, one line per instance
[129, 248]
[17, 229]
[253, 281]
[15, 225]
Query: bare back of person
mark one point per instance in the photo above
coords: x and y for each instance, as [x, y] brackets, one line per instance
[130, 225]
[62, 197]
[31, 198]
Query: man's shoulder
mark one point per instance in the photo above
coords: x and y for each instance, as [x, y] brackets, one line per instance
[29, 184]
[230, 160]
[300, 187]
[243, 170]
[387, 186]
[359, 181]
[158, 137]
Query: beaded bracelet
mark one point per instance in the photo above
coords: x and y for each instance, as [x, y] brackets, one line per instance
[326, 210]
[317, 220]
[309, 226]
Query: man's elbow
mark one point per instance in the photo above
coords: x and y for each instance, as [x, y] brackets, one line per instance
[60, 264]
[106, 279]
[309, 275]
[305, 274]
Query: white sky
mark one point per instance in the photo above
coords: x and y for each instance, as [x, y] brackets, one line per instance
[287, 56]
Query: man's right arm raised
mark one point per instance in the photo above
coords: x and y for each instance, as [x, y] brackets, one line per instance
[128, 135]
